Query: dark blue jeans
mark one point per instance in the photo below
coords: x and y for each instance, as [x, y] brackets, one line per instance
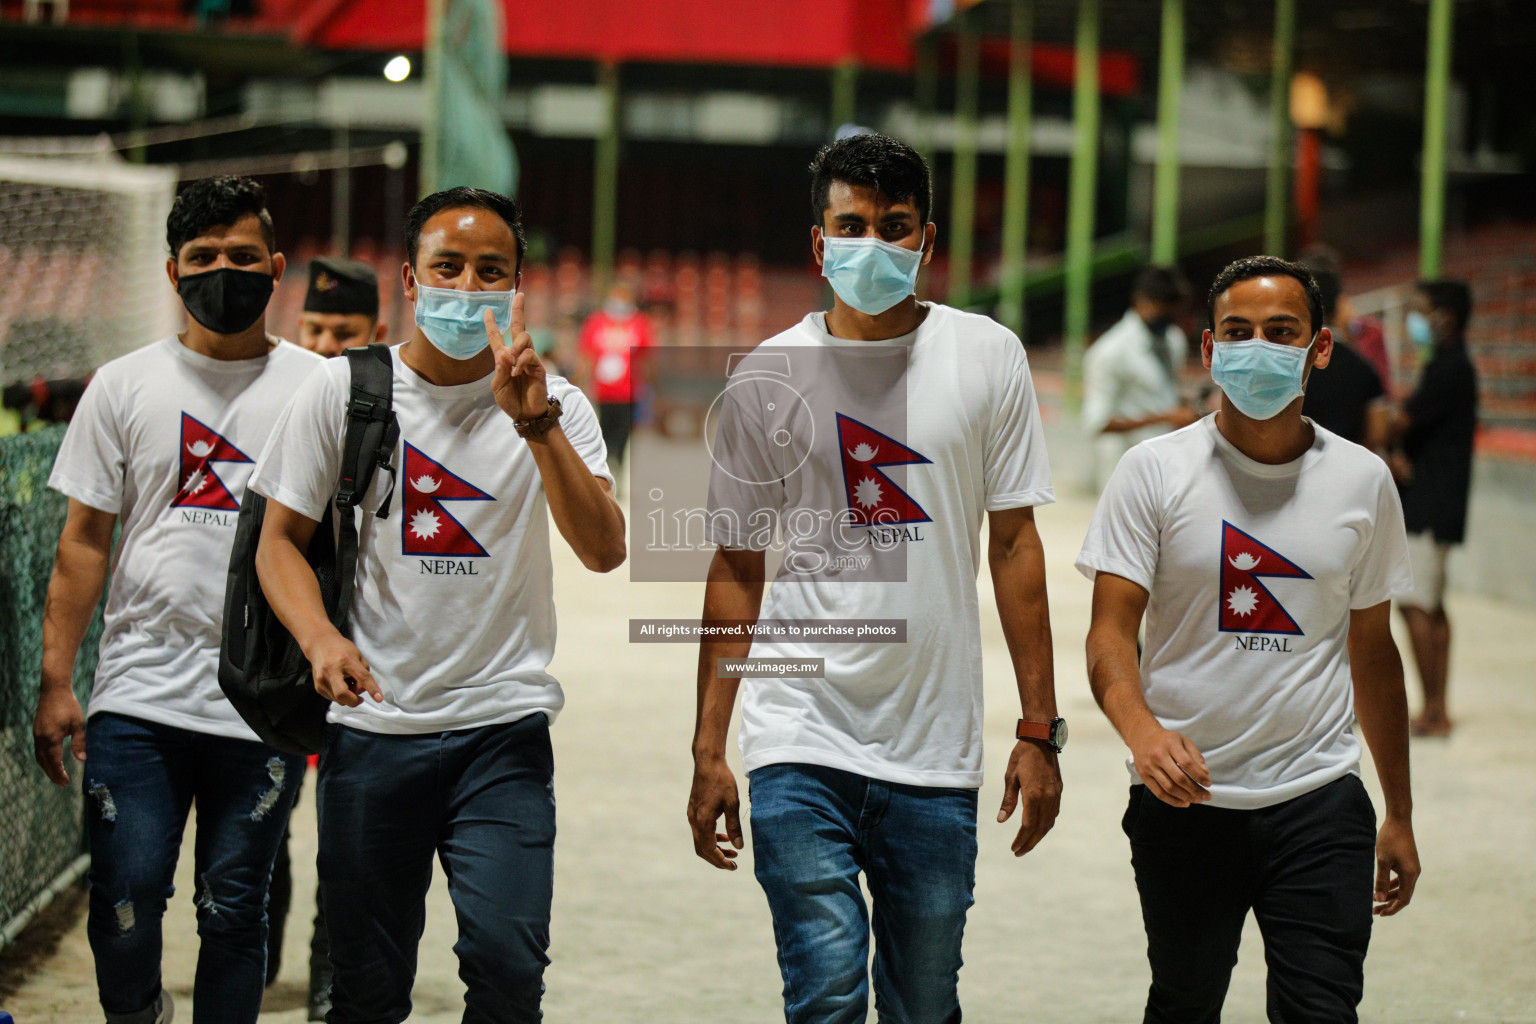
[142, 779]
[1305, 868]
[813, 830]
[481, 800]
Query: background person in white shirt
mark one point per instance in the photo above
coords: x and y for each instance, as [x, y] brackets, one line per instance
[925, 424]
[162, 440]
[1131, 373]
[438, 741]
[1264, 551]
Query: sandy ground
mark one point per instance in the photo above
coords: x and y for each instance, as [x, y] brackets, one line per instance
[645, 932]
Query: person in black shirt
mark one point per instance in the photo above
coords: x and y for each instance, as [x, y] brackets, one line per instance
[1344, 397]
[1434, 471]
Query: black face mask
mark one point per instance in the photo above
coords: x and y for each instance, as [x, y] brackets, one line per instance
[1158, 327]
[226, 301]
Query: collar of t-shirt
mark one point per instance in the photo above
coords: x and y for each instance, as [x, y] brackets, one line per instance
[1265, 469]
[818, 325]
[198, 361]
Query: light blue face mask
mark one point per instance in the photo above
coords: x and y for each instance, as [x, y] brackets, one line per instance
[1419, 330]
[454, 321]
[870, 274]
[1259, 377]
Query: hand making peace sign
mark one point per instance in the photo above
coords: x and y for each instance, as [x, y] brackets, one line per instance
[518, 383]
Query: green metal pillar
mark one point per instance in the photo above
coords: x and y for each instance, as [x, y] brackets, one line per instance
[432, 89]
[605, 180]
[962, 206]
[1010, 306]
[1277, 185]
[1165, 185]
[1082, 197]
[1437, 80]
[845, 93]
[925, 93]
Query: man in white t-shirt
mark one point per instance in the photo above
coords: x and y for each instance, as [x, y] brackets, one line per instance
[438, 741]
[893, 430]
[163, 440]
[1265, 552]
[1131, 373]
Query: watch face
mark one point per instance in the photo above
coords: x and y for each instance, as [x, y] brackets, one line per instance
[1059, 733]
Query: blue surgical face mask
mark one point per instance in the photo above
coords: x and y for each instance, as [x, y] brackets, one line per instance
[1259, 377]
[454, 321]
[1420, 332]
[870, 274]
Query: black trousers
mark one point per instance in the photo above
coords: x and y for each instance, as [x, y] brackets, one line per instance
[615, 420]
[1305, 868]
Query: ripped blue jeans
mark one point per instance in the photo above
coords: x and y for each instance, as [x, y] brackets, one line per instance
[141, 779]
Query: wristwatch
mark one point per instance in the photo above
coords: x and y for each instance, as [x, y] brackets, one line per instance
[539, 425]
[1053, 733]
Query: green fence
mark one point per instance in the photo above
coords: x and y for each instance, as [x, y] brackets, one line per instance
[41, 838]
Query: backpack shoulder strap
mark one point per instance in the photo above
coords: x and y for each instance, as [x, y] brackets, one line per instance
[369, 444]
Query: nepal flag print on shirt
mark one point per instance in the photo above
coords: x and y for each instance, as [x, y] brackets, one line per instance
[873, 500]
[200, 486]
[427, 527]
[1246, 605]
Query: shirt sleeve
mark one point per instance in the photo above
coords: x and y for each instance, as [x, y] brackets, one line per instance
[1382, 570]
[746, 489]
[300, 465]
[1124, 535]
[581, 427]
[1016, 468]
[92, 464]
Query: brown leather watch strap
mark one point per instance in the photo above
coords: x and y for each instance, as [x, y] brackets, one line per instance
[1028, 730]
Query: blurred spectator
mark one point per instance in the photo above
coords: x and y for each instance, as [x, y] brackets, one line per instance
[607, 341]
[1131, 374]
[1347, 395]
[1434, 472]
[341, 308]
[1362, 333]
[38, 403]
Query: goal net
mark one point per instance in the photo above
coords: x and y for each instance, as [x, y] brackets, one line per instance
[82, 263]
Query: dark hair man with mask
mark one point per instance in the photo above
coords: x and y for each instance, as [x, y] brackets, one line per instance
[1240, 713]
[438, 740]
[875, 768]
[1131, 373]
[341, 308]
[1347, 397]
[163, 441]
[1434, 433]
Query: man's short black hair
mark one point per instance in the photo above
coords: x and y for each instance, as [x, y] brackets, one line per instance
[1455, 297]
[1250, 267]
[1161, 284]
[217, 203]
[504, 207]
[876, 161]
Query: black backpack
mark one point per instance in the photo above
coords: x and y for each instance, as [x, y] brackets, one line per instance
[261, 669]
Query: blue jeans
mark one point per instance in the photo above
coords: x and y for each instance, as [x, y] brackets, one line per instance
[813, 830]
[483, 801]
[142, 778]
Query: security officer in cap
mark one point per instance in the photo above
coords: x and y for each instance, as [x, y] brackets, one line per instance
[341, 310]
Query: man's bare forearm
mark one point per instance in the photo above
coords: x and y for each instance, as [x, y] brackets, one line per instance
[1114, 675]
[290, 585]
[734, 593]
[1381, 705]
[584, 511]
[1017, 563]
[79, 573]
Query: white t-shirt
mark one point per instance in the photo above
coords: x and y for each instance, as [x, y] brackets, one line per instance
[1252, 571]
[164, 437]
[454, 604]
[914, 440]
[1124, 379]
